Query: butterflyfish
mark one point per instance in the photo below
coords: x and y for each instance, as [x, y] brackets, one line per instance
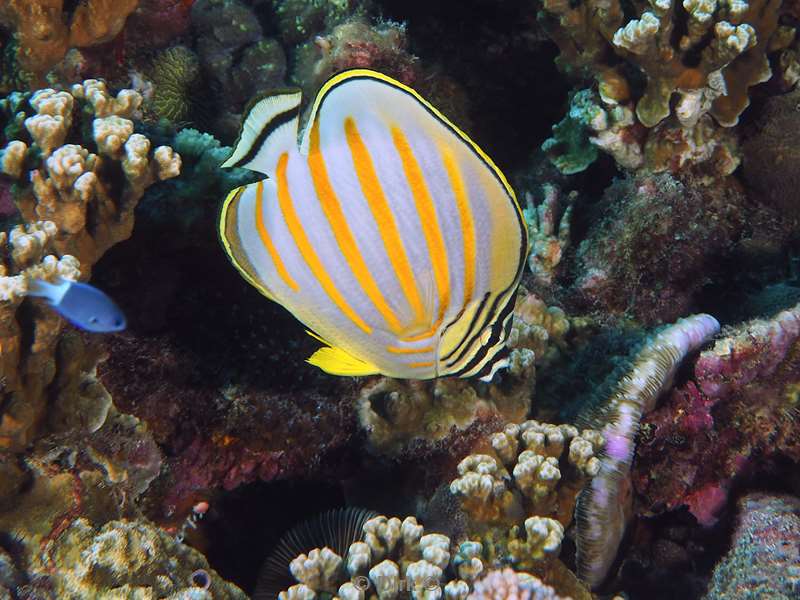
[82, 304]
[386, 230]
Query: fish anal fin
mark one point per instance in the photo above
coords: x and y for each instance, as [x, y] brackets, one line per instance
[336, 361]
[269, 129]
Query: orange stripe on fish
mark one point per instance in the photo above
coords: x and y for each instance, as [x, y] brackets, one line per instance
[341, 231]
[305, 247]
[267, 240]
[465, 216]
[429, 220]
[378, 204]
[396, 350]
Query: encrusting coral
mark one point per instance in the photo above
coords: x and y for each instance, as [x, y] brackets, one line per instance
[604, 505]
[763, 560]
[134, 558]
[737, 411]
[657, 242]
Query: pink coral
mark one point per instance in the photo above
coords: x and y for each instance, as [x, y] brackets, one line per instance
[739, 410]
[508, 585]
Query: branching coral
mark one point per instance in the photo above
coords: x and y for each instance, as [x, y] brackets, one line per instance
[603, 508]
[739, 409]
[74, 187]
[709, 61]
[690, 139]
[397, 559]
[46, 30]
[548, 227]
[76, 204]
[521, 497]
[508, 585]
[698, 58]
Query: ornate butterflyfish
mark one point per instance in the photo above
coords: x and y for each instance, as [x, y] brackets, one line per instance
[386, 230]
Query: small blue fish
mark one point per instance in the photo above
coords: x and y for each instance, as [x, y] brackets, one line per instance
[81, 304]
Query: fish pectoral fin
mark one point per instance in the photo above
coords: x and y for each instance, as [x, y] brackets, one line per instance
[336, 361]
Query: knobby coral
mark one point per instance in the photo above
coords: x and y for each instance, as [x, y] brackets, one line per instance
[75, 205]
[699, 58]
[604, 505]
[397, 559]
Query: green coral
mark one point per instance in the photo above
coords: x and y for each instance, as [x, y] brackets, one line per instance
[175, 74]
[570, 148]
[201, 185]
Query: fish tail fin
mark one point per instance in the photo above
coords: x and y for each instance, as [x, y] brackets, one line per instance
[52, 292]
[336, 361]
[269, 129]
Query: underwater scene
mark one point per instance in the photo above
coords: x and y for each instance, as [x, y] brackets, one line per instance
[399, 300]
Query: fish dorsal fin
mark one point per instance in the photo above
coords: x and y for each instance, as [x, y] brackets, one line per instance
[269, 129]
[336, 361]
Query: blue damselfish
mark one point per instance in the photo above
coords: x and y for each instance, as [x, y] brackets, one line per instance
[81, 304]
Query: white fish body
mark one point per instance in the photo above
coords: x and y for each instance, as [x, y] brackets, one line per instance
[387, 231]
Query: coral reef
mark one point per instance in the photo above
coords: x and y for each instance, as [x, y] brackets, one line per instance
[771, 154]
[398, 415]
[398, 559]
[657, 243]
[508, 585]
[234, 53]
[765, 554]
[45, 31]
[604, 505]
[355, 44]
[76, 205]
[175, 75]
[738, 410]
